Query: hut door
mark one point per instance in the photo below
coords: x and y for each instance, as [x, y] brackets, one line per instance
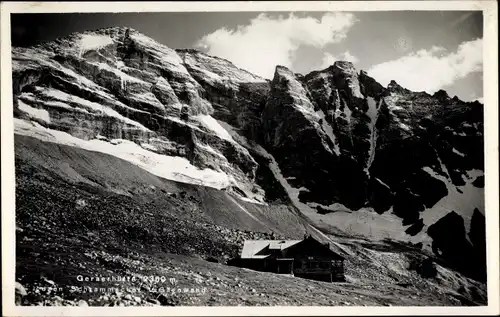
[285, 267]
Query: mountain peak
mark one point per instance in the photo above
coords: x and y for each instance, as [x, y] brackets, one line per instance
[441, 94]
[393, 83]
[395, 87]
[112, 29]
[281, 70]
[344, 67]
[113, 32]
[343, 64]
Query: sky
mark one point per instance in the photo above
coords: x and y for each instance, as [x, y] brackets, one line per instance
[421, 50]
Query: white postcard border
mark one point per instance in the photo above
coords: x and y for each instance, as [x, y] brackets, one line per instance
[490, 75]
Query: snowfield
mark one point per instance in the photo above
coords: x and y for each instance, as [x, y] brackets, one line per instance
[90, 42]
[40, 114]
[213, 125]
[463, 202]
[170, 167]
[373, 115]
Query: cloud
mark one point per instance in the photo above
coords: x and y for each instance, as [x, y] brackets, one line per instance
[330, 59]
[266, 41]
[433, 69]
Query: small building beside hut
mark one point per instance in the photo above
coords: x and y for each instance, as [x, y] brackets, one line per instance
[307, 258]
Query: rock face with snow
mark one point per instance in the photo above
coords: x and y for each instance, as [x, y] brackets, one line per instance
[117, 84]
[362, 145]
[328, 140]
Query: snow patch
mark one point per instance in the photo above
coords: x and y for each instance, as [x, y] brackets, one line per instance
[348, 114]
[213, 125]
[373, 115]
[463, 203]
[381, 182]
[90, 42]
[405, 127]
[458, 152]
[40, 114]
[169, 167]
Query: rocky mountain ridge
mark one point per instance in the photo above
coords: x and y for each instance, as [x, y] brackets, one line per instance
[334, 143]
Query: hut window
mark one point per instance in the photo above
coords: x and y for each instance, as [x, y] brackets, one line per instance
[323, 265]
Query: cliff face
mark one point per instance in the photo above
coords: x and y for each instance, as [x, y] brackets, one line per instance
[117, 84]
[331, 140]
[347, 140]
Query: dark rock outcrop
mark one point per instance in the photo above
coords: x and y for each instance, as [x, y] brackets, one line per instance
[477, 236]
[450, 243]
[415, 228]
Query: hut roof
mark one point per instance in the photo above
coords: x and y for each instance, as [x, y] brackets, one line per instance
[251, 248]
